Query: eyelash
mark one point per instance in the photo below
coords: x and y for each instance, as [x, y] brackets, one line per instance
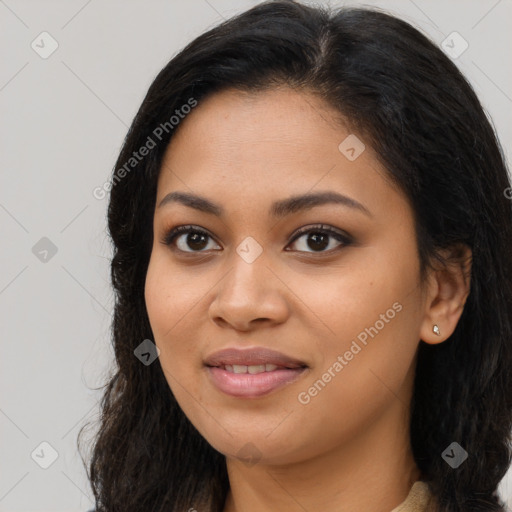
[172, 234]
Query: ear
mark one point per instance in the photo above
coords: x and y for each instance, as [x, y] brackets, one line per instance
[448, 287]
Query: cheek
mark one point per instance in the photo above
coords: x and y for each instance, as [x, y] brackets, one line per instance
[370, 312]
[171, 298]
[377, 358]
[347, 300]
[167, 304]
[157, 298]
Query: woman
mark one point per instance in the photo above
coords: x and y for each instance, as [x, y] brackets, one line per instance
[344, 342]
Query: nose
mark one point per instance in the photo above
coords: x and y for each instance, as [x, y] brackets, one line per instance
[249, 295]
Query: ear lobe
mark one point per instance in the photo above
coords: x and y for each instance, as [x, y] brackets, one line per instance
[448, 290]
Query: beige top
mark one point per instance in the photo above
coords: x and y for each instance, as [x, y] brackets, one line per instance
[417, 500]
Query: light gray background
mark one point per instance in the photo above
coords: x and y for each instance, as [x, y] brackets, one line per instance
[63, 120]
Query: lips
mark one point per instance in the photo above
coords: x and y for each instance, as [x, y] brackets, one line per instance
[258, 356]
[248, 385]
[252, 373]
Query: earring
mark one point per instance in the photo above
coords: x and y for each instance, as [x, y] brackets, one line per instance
[436, 330]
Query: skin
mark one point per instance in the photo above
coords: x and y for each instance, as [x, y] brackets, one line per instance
[348, 448]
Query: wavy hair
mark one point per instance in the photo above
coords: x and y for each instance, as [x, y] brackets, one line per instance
[409, 101]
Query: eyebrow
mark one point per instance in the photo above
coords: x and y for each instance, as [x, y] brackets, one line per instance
[278, 209]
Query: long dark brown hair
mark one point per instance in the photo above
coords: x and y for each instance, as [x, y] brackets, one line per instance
[406, 98]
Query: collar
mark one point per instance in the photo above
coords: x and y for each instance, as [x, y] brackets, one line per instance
[417, 500]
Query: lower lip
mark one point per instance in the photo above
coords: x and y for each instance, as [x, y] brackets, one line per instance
[247, 385]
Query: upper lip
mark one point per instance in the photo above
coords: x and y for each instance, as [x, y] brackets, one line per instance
[252, 356]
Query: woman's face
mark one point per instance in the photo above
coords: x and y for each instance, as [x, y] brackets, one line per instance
[347, 309]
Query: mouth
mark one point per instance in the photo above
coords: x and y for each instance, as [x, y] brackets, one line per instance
[253, 369]
[252, 373]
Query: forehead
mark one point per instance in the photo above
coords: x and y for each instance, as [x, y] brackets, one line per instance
[233, 116]
[269, 145]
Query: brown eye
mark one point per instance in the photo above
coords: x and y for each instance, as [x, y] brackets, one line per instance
[318, 238]
[196, 240]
